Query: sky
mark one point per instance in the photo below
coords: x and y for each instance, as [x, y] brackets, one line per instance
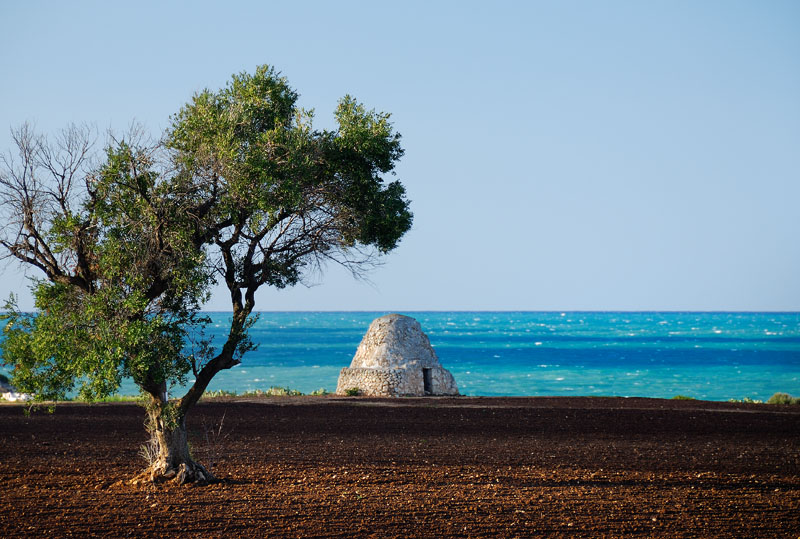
[564, 155]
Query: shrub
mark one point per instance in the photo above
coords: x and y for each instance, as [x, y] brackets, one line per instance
[683, 398]
[218, 393]
[320, 392]
[352, 392]
[276, 391]
[747, 400]
[4, 379]
[783, 398]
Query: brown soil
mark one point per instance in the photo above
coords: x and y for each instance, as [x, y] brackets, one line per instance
[462, 467]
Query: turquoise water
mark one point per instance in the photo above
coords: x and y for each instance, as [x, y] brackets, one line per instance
[713, 356]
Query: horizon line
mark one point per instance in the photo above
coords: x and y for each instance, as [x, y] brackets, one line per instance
[644, 311]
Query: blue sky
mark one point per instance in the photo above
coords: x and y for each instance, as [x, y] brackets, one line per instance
[559, 155]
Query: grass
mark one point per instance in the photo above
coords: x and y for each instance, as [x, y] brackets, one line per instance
[278, 391]
[218, 393]
[777, 398]
[747, 400]
[111, 398]
[274, 391]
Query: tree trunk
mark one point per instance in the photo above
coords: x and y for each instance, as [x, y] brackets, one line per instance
[168, 449]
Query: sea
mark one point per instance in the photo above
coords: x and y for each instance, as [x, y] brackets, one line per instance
[711, 356]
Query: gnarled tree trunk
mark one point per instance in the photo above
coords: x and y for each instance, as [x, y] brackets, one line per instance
[168, 449]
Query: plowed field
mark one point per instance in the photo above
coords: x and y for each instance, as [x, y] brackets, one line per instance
[436, 467]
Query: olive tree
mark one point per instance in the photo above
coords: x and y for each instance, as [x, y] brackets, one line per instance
[241, 189]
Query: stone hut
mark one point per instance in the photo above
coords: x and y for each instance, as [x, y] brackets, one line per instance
[396, 358]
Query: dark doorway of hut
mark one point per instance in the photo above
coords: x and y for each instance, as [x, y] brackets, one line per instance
[427, 385]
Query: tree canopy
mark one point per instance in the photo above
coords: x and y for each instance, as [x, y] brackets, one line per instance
[240, 189]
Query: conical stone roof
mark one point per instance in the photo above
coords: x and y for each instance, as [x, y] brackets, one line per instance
[394, 341]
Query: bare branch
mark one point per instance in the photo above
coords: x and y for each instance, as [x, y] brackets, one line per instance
[37, 191]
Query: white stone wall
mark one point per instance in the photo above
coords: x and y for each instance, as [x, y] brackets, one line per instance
[395, 382]
[443, 382]
[371, 382]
